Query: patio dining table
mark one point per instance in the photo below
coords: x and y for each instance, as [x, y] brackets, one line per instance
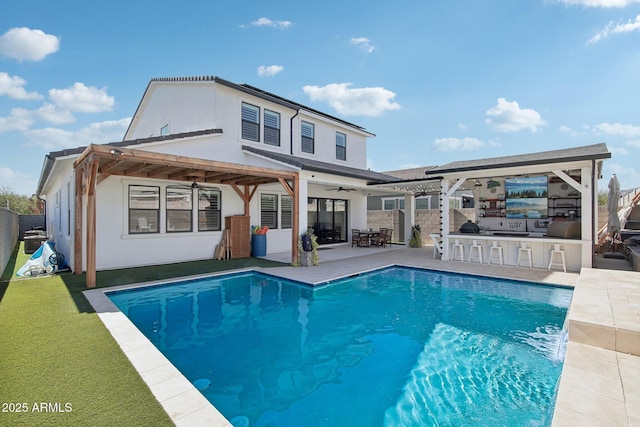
[371, 234]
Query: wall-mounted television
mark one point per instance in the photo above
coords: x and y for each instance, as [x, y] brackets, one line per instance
[526, 197]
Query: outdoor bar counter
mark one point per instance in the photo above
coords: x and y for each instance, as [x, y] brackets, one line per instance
[539, 243]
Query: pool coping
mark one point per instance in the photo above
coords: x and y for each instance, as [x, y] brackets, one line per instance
[181, 400]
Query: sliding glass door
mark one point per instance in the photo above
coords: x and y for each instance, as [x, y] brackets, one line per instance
[328, 218]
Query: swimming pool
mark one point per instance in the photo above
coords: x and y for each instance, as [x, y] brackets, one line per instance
[397, 346]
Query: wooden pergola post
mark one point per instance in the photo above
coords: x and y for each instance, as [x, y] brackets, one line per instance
[91, 223]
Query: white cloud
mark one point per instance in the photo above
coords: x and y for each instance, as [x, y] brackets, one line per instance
[268, 71]
[599, 3]
[457, 144]
[363, 43]
[629, 177]
[616, 28]
[81, 98]
[27, 44]
[52, 114]
[17, 182]
[618, 129]
[619, 151]
[266, 22]
[368, 101]
[568, 130]
[13, 87]
[96, 133]
[19, 120]
[635, 143]
[509, 117]
[462, 126]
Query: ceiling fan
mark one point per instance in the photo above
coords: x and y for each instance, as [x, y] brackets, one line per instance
[341, 188]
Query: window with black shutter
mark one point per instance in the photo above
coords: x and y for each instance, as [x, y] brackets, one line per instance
[307, 137]
[269, 210]
[250, 122]
[341, 146]
[286, 211]
[271, 127]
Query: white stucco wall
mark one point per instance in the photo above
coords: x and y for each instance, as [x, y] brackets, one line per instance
[192, 106]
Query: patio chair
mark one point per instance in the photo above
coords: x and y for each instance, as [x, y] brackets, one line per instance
[365, 240]
[380, 239]
[355, 237]
[143, 225]
[389, 233]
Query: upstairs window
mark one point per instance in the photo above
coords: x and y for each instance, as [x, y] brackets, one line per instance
[271, 127]
[341, 146]
[250, 122]
[269, 210]
[179, 209]
[307, 143]
[209, 211]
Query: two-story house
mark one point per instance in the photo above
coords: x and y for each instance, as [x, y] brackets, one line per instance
[198, 150]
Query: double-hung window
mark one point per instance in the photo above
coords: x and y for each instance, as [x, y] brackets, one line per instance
[286, 211]
[179, 209]
[269, 210]
[307, 142]
[144, 209]
[341, 146]
[271, 127]
[250, 122]
[209, 211]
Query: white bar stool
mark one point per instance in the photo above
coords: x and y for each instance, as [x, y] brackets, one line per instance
[475, 246]
[457, 245]
[527, 250]
[557, 251]
[495, 247]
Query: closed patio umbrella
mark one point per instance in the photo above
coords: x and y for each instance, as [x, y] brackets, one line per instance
[613, 226]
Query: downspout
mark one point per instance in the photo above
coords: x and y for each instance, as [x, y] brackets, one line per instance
[594, 206]
[291, 130]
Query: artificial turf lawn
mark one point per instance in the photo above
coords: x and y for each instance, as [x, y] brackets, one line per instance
[55, 350]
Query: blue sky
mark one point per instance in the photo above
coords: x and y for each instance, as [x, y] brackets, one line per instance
[435, 81]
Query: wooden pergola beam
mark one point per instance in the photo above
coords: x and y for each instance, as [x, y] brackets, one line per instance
[97, 162]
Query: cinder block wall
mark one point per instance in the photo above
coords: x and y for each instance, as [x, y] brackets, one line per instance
[8, 235]
[428, 219]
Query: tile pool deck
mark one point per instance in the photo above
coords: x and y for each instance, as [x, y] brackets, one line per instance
[600, 383]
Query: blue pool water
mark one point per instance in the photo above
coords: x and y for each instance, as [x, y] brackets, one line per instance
[394, 347]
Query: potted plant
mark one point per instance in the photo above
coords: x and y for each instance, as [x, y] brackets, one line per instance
[308, 249]
[416, 239]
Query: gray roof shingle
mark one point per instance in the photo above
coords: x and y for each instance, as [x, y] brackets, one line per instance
[588, 152]
[314, 165]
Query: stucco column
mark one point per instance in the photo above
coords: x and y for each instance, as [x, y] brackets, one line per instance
[588, 228]
[302, 205]
[444, 217]
[409, 216]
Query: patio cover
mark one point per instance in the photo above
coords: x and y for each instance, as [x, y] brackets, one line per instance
[97, 162]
